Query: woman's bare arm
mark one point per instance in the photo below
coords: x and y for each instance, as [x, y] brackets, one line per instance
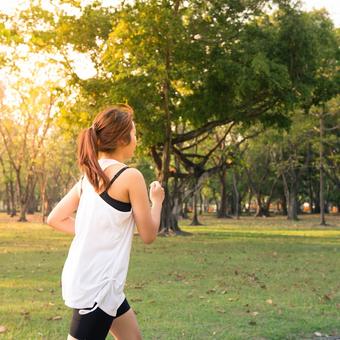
[147, 218]
[60, 217]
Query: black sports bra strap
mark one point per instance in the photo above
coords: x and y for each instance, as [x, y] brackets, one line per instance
[115, 176]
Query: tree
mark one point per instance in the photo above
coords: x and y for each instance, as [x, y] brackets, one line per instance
[261, 176]
[326, 143]
[172, 64]
[203, 64]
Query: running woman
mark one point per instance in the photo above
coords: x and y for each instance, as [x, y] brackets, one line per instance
[110, 199]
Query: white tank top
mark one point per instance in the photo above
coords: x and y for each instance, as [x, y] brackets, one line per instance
[95, 270]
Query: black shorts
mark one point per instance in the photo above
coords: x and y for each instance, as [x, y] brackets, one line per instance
[94, 325]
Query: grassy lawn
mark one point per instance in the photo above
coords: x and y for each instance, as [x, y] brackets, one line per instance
[247, 279]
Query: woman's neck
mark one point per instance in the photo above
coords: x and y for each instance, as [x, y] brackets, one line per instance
[116, 156]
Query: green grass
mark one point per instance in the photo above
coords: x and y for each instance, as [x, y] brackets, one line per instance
[247, 279]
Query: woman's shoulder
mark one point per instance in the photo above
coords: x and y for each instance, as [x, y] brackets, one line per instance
[126, 182]
[132, 176]
[128, 170]
[129, 177]
[133, 171]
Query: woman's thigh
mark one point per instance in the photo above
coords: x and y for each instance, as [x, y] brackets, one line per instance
[125, 327]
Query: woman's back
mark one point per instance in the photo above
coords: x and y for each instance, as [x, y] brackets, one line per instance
[100, 251]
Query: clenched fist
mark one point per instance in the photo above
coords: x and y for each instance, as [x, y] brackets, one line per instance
[156, 192]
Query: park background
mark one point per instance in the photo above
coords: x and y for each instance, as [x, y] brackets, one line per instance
[237, 114]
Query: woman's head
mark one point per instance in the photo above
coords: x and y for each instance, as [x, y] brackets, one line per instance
[110, 131]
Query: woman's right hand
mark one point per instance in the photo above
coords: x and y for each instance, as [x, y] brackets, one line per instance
[156, 193]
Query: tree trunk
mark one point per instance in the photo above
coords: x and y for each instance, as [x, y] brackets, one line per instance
[195, 220]
[284, 205]
[267, 206]
[22, 197]
[310, 181]
[25, 193]
[291, 198]
[167, 217]
[237, 197]
[292, 205]
[8, 199]
[9, 191]
[32, 204]
[259, 207]
[270, 197]
[185, 210]
[201, 200]
[43, 198]
[311, 196]
[13, 199]
[322, 183]
[23, 211]
[222, 212]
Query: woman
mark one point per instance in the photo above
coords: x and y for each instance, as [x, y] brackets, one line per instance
[110, 199]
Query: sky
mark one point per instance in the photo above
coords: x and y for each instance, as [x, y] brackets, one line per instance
[332, 6]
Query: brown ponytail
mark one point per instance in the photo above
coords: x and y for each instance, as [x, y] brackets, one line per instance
[109, 130]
